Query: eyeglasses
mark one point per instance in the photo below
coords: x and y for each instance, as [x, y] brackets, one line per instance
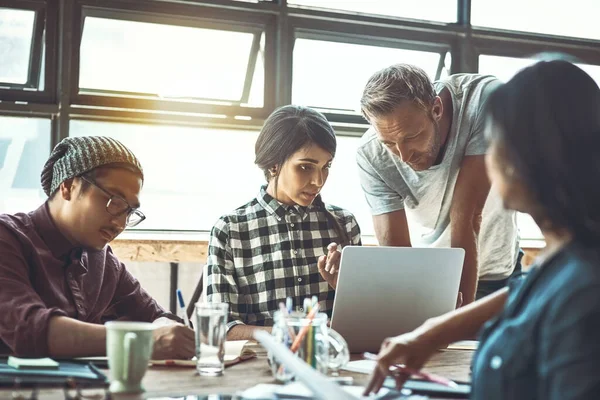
[118, 206]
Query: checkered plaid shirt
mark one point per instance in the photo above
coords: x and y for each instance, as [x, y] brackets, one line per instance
[266, 251]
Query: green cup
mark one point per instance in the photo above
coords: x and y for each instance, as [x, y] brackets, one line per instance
[128, 348]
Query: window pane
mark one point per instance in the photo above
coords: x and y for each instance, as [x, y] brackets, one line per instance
[42, 81]
[170, 61]
[329, 75]
[502, 67]
[505, 67]
[24, 148]
[343, 187]
[432, 10]
[192, 175]
[257, 89]
[528, 229]
[577, 18]
[16, 34]
[591, 70]
[189, 186]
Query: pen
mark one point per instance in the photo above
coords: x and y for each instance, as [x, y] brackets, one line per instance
[423, 375]
[284, 313]
[307, 305]
[182, 309]
[309, 342]
[304, 329]
[314, 300]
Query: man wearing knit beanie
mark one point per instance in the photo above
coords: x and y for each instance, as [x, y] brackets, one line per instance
[60, 279]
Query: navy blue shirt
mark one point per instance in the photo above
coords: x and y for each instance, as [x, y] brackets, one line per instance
[546, 342]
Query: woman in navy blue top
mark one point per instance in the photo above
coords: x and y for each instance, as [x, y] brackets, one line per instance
[540, 337]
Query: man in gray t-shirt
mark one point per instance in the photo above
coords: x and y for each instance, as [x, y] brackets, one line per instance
[422, 169]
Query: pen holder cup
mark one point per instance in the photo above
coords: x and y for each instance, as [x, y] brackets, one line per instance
[319, 346]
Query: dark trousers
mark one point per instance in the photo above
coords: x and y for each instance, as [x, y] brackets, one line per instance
[488, 287]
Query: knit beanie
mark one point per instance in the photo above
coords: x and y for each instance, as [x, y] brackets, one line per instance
[75, 156]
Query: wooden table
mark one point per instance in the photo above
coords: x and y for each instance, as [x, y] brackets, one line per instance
[172, 382]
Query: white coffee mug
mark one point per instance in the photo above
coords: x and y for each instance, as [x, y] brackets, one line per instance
[128, 348]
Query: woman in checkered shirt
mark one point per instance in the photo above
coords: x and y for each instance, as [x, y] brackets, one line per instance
[286, 241]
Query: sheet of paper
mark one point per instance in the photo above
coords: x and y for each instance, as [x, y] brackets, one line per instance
[299, 390]
[464, 345]
[233, 350]
[360, 366]
[262, 391]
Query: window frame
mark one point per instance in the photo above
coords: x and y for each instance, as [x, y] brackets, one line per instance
[495, 42]
[178, 15]
[371, 30]
[44, 33]
[305, 8]
[338, 32]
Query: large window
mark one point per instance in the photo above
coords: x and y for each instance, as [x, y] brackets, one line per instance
[24, 148]
[195, 175]
[16, 34]
[578, 18]
[188, 84]
[331, 75]
[172, 62]
[433, 10]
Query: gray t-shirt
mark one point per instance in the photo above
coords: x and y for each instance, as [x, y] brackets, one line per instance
[426, 196]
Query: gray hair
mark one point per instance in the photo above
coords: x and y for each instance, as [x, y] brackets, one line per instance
[389, 87]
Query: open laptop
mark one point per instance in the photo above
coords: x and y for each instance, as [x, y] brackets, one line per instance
[387, 291]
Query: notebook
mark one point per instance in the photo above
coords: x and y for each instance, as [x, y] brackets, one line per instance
[79, 373]
[236, 351]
